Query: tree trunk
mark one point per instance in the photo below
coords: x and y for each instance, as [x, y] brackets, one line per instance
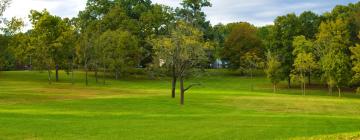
[57, 72]
[30, 64]
[182, 90]
[72, 75]
[116, 74]
[49, 75]
[86, 73]
[251, 77]
[304, 87]
[330, 89]
[289, 82]
[274, 88]
[309, 78]
[72, 70]
[96, 72]
[339, 90]
[173, 88]
[104, 74]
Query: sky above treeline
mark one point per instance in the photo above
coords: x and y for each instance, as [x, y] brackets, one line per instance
[257, 12]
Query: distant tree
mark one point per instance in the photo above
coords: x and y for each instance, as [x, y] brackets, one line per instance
[333, 38]
[3, 40]
[355, 57]
[8, 40]
[49, 36]
[273, 70]
[3, 5]
[243, 39]
[264, 33]
[119, 51]
[84, 51]
[252, 62]
[304, 60]
[182, 51]
[13, 26]
[282, 35]
[309, 24]
[191, 12]
[219, 33]
[350, 14]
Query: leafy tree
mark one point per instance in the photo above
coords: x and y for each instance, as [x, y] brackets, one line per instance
[309, 24]
[252, 62]
[273, 70]
[91, 23]
[191, 12]
[264, 33]
[349, 13]
[333, 38]
[356, 63]
[3, 39]
[84, 51]
[48, 37]
[119, 51]
[182, 51]
[8, 40]
[304, 60]
[13, 26]
[283, 32]
[3, 5]
[241, 40]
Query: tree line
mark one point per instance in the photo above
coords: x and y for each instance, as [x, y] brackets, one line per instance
[114, 38]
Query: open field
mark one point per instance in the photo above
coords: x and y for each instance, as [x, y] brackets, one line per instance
[138, 108]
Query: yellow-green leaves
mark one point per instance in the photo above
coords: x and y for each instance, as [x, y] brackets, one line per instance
[334, 39]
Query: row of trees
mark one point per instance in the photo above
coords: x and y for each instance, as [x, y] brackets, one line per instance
[297, 48]
[115, 37]
[324, 51]
[112, 37]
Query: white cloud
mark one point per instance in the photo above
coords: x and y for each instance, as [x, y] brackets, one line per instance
[63, 8]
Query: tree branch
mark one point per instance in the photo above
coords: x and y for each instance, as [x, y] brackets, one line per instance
[192, 85]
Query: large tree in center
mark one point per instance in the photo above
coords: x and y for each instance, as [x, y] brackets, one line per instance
[181, 51]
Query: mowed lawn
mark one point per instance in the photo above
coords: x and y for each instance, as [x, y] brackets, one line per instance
[224, 107]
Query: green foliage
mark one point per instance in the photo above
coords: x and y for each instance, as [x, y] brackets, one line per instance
[355, 57]
[333, 39]
[119, 51]
[304, 62]
[309, 24]
[13, 26]
[3, 5]
[242, 40]
[51, 37]
[8, 42]
[282, 34]
[183, 48]
[273, 70]
[182, 52]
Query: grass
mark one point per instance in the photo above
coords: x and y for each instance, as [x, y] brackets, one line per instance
[139, 108]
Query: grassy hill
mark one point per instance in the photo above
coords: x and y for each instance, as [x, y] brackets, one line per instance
[139, 108]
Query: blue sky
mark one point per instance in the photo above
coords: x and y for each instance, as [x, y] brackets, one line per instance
[257, 12]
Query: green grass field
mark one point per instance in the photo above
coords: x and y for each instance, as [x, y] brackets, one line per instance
[139, 108]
